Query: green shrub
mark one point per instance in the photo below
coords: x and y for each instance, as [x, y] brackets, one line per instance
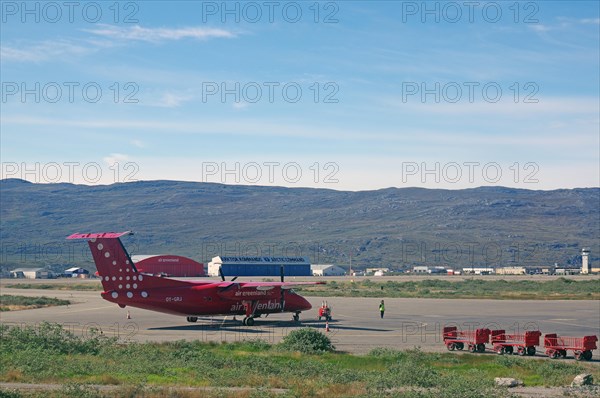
[10, 394]
[307, 341]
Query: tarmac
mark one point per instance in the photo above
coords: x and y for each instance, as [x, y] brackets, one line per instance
[356, 326]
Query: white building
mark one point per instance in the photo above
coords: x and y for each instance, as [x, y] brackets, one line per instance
[478, 270]
[424, 269]
[377, 271]
[30, 273]
[327, 270]
[511, 271]
[567, 271]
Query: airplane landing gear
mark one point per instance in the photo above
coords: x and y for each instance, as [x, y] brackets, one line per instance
[248, 321]
[296, 317]
[192, 319]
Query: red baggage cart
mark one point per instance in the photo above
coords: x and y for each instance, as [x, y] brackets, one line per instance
[525, 343]
[474, 339]
[581, 346]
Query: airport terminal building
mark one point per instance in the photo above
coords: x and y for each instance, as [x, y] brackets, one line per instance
[259, 266]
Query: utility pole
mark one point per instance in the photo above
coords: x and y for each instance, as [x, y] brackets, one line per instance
[350, 263]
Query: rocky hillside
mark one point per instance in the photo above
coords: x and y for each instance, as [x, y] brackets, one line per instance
[389, 227]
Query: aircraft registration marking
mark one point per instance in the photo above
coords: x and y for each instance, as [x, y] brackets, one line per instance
[173, 299]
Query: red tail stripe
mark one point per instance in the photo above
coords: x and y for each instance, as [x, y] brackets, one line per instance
[105, 235]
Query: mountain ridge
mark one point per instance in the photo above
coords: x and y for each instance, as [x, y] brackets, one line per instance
[393, 227]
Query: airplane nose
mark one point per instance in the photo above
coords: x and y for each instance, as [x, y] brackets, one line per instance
[305, 304]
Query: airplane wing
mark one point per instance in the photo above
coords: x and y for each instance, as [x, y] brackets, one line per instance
[257, 290]
[268, 285]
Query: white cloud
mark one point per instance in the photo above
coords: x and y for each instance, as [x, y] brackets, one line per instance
[540, 28]
[590, 21]
[545, 105]
[63, 49]
[138, 143]
[42, 51]
[172, 100]
[240, 105]
[113, 158]
[159, 34]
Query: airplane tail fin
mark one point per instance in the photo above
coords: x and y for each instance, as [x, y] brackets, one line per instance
[116, 269]
[112, 260]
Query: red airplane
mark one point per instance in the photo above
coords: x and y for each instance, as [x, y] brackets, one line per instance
[124, 285]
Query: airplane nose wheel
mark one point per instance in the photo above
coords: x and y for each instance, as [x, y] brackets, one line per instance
[192, 319]
[296, 317]
[248, 321]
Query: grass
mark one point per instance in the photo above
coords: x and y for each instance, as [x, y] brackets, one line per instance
[57, 286]
[48, 354]
[557, 289]
[15, 303]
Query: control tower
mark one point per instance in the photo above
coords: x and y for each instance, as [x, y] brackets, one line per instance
[586, 267]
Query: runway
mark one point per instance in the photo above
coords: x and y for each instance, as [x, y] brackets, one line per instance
[356, 325]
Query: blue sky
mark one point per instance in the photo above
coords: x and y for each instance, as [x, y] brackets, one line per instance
[357, 95]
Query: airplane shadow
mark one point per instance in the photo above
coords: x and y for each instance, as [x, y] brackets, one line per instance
[260, 326]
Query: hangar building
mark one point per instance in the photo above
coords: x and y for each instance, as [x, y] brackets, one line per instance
[327, 270]
[76, 272]
[259, 266]
[30, 273]
[168, 265]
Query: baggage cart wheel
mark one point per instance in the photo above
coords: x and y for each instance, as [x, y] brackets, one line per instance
[563, 353]
[460, 346]
[499, 350]
[508, 350]
[587, 355]
[521, 351]
[480, 347]
[472, 348]
[450, 346]
[531, 351]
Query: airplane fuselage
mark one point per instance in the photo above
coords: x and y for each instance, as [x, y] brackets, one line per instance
[204, 299]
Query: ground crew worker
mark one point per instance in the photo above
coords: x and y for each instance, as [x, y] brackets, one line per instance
[381, 308]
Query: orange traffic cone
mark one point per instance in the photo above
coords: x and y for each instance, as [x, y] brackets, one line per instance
[327, 326]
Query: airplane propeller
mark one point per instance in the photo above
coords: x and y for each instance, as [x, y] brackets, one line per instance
[282, 297]
[223, 276]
